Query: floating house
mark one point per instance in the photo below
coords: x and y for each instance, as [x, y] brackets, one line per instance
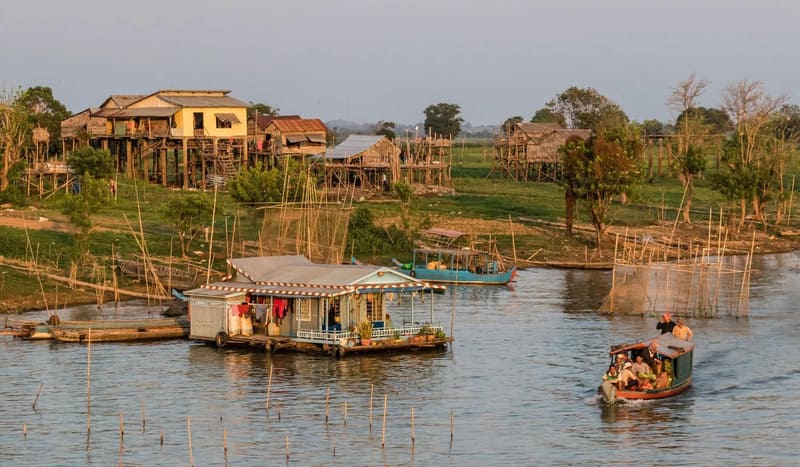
[290, 303]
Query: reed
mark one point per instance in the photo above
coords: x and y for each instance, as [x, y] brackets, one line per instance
[189, 431]
[36, 399]
[383, 431]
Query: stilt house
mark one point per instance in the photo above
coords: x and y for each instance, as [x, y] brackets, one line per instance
[365, 161]
[530, 150]
[186, 138]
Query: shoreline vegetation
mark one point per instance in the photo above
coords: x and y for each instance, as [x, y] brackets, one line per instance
[44, 265]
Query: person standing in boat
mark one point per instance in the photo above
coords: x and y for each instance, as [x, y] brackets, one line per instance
[682, 331]
[666, 324]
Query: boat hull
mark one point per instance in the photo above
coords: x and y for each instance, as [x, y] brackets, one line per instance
[644, 395]
[460, 276]
[119, 335]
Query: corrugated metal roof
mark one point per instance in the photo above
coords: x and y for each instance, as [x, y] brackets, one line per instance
[665, 344]
[276, 290]
[353, 145]
[159, 112]
[291, 125]
[203, 101]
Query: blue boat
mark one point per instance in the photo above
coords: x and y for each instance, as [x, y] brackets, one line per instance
[456, 266]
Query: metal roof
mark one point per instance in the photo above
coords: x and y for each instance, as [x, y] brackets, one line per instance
[352, 146]
[275, 290]
[202, 101]
[299, 270]
[228, 117]
[299, 125]
[124, 100]
[159, 112]
[666, 344]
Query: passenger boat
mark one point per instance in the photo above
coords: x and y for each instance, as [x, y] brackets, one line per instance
[676, 355]
[451, 256]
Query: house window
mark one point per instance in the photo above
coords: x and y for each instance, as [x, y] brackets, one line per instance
[374, 307]
[223, 123]
[198, 120]
[305, 309]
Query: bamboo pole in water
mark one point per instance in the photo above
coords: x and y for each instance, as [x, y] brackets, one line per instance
[327, 402]
[269, 388]
[383, 431]
[121, 425]
[225, 442]
[189, 431]
[36, 399]
[144, 417]
[371, 392]
[451, 426]
[287, 447]
[412, 427]
[25, 431]
[89, 382]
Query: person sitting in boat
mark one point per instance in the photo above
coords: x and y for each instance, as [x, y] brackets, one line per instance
[622, 359]
[627, 378]
[662, 378]
[666, 324]
[642, 370]
[682, 331]
[611, 375]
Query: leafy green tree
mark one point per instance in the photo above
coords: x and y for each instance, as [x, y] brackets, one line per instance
[255, 185]
[546, 115]
[443, 119]
[653, 127]
[510, 122]
[604, 167]
[15, 130]
[189, 214]
[96, 163]
[386, 129]
[261, 109]
[90, 195]
[45, 111]
[715, 120]
[587, 109]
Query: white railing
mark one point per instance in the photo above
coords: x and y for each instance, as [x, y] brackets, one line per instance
[335, 337]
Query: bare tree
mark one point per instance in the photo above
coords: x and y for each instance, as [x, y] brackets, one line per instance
[14, 129]
[750, 108]
[690, 160]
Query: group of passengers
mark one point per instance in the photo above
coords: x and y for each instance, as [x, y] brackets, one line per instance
[649, 370]
[640, 375]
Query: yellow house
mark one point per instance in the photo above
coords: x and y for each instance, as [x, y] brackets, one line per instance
[184, 137]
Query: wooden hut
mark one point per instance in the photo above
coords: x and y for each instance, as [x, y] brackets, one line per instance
[179, 137]
[365, 161]
[530, 150]
[288, 302]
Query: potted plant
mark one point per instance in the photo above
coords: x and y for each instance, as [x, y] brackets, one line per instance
[365, 332]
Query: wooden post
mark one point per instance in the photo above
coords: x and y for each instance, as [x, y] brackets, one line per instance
[121, 425]
[269, 388]
[287, 447]
[36, 399]
[25, 430]
[144, 417]
[327, 401]
[371, 391]
[225, 441]
[189, 431]
[451, 426]
[383, 432]
[163, 163]
[185, 164]
[412, 427]
[345, 413]
[89, 383]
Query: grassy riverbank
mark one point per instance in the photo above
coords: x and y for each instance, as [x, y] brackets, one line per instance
[524, 217]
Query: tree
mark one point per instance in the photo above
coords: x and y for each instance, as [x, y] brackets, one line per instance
[546, 115]
[587, 109]
[714, 120]
[385, 128]
[653, 127]
[90, 195]
[443, 119]
[750, 108]
[189, 214]
[603, 167]
[89, 161]
[14, 132]
[45, 111]
[510, 122]
[689, 160]
[261, 109]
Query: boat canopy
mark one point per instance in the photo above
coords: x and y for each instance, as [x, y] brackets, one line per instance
[665, 344]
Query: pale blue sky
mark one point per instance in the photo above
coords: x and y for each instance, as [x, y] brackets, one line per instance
[365, 60]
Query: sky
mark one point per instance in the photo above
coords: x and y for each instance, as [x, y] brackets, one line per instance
[370, 60]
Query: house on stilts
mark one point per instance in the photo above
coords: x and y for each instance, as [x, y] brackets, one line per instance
[289, 303]
[184, 138]
[529, 151]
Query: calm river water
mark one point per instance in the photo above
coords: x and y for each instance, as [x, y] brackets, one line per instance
[519, 381]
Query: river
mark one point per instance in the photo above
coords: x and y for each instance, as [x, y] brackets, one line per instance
[519, 383]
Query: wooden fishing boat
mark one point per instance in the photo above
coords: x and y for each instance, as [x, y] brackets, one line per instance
[676, 356]
[456, 266]
[120, 330]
